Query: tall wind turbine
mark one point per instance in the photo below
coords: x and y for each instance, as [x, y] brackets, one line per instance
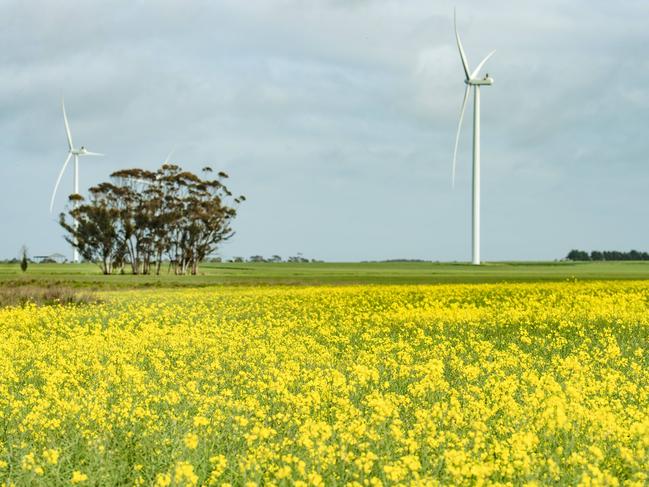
[472, 81]
[72, 151]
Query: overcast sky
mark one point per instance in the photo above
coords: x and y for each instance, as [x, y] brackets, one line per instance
[336, 119]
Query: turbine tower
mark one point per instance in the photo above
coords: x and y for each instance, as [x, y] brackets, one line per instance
[472, 81]
[72, 151]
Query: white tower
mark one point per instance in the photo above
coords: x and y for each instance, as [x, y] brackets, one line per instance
[82, 151]
[472, 81]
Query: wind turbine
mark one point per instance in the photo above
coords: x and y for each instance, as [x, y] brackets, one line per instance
[166, 161]
[472, 81]
[72, 151]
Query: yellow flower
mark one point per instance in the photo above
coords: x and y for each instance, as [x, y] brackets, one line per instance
[502, 383]
[395, 473]
[219, 463]
[184, 474]
[78, 477]
[315, 479]
[163, 480]
[191, 441]
[51, 456]
[201, 421]
[28, 462]
[283, 472]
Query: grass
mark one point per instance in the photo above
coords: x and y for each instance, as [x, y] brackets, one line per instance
[88, 275]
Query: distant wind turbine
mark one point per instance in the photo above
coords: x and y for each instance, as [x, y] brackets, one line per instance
[165, 162]
[168, 158]
[72, 151]
[472, 80]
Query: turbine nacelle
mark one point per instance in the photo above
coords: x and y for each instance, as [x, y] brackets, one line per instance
[486, 81]
[82, 151]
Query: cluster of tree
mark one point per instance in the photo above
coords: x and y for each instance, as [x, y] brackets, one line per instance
[301, 260]
[275, 258]
[260, 258]
[395, 261]
[597, 255]
[141, 218]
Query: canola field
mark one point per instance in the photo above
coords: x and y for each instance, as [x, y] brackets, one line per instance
[509, 384]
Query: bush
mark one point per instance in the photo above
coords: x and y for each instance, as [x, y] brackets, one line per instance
[23, 261]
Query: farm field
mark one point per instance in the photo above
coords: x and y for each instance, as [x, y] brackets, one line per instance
[511, 384]
[88, 275]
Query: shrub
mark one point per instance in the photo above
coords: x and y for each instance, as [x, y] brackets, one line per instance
[23, 261]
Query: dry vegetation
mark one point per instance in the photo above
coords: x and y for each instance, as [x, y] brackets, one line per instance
[44, 295]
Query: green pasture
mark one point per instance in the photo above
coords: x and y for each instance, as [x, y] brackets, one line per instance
[89, 276]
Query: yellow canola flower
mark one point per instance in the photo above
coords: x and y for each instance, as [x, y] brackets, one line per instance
[191, 440]
[78, 477]
[283, 472]
[219, 464]
[201, 421]
[51, 456]
[28, 462]
[507, 384]
[184, 474]
[163, 480]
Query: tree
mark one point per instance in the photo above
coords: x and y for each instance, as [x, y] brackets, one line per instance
[298, 258]
[96, 235]
[140, 217]
[256, 258]
[577, 255]
[634, 255]
[201, 219]
[608, 255]
[24, 260]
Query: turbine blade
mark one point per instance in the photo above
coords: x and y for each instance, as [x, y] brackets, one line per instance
[477, 70]
[169, 155]
[465, 63]
[459, 128]
[88, 153]
[67, 126]
[58, 180]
